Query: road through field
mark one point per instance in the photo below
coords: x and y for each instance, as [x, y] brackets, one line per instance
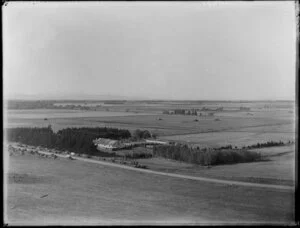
[212, 180]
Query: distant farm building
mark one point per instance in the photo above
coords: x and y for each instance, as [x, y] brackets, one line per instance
[155, 142]
[107, 144]
[113, 145]
[133, 144]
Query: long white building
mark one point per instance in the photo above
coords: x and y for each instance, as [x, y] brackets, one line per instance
[112, 145]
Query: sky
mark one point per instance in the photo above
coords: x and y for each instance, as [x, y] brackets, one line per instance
[150, 50]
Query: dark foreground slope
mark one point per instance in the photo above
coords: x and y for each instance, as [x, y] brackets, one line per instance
[47, 191]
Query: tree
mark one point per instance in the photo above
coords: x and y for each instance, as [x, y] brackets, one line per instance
[146, 134]
[137, 134]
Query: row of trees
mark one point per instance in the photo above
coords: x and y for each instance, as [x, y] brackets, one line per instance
[204, 156]
[267, 144]
[115, 102]
[182, 112]
[137, 154]
[80, 107]
[257, 145]
[192, 112]
[79, 140]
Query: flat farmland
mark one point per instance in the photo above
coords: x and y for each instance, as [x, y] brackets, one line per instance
[168, 125]
[63, 113]
[234, 138]
[162, 125]
[236, 128]
[268, 127]
[44, 191]
[59, 118]
[281, 128]
[283, 114]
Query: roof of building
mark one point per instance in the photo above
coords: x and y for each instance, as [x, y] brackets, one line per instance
[107, 142]
[110, 143]
[155, 141]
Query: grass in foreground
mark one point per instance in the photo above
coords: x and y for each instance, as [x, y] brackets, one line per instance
[74, 192]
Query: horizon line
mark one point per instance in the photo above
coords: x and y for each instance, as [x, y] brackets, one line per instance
[144, 99]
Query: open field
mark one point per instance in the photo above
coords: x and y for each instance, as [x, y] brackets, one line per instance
[162, 125]
[239, 139]
[286, 114]
[41, 191]
[63, 113]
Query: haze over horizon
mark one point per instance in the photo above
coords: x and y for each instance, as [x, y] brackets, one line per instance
[150, 50]
[99, 97]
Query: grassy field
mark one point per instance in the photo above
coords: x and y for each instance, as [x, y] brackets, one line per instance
[239, 139]
[46, 191]
[167, 125]
[273, 114]
[63, 113]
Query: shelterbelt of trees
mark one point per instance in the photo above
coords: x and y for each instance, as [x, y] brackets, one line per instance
[79, 140]
[205, 156]
[214, 156]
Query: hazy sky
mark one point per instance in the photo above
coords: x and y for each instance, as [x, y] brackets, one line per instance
[167, 50]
